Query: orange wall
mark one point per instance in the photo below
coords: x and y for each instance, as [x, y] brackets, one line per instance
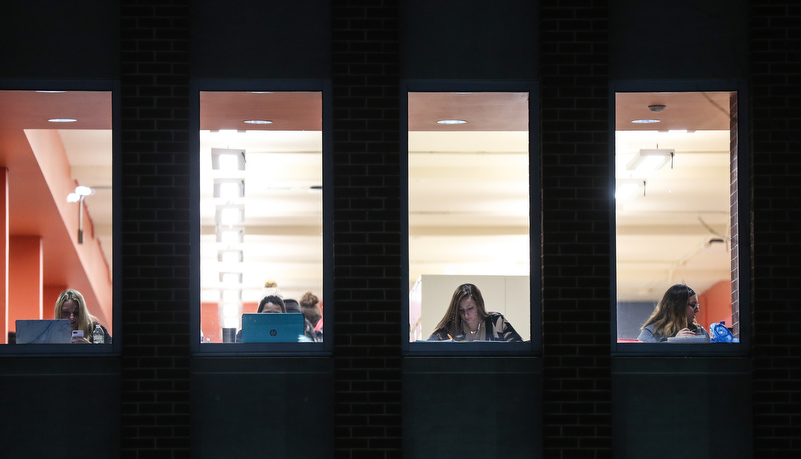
[715, 305]
[210, 323]
[25, 279]
[4, 254]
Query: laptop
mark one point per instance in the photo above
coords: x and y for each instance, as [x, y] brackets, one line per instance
[44, 331]
[272, 328]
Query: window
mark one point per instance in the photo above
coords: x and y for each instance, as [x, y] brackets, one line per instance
[261, 216]
[677, 212]
[469, 211]
[56, 164]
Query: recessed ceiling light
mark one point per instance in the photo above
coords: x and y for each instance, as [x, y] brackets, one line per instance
[258, 122]
[62, 120]
[51, 92]
[646, 121]
[451, 122]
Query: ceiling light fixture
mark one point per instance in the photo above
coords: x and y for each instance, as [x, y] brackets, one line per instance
[650, 159]
[225, 159]
[230, 236]
[229, 189]
[230, 215]
[77, 196]
[628, 189]
[646, 121]
[451, 122]
[62, 120]
[258, 122]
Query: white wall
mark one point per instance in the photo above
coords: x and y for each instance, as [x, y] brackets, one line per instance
[508, 295]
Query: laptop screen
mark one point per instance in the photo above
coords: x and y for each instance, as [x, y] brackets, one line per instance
[272, 328]
[44, 331]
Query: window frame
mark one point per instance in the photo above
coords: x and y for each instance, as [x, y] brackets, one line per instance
[51, 350]
[261, 349]
[534, 345]
[743, 212]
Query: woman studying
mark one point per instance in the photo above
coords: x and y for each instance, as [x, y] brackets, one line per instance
[674, 315]
[467, 320]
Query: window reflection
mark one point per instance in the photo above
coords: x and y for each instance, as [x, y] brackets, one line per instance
[260, 204]
[56, 163]
[468, 204]
[676, 201]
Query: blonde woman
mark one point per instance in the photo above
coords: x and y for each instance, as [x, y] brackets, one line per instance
[70, 305]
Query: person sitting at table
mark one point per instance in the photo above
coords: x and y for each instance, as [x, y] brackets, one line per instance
[674, 315]
[71, 305]
[270, 304]
[466, 319]
[292, 306]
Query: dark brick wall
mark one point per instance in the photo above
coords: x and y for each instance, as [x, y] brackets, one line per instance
[776, 210]
[155, 232]
[367, 262]
[366, 419]
[575, 223]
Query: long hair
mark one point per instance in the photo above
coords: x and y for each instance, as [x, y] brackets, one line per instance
[84, 319]
[452, 320]
[274, 299]
[670, 314]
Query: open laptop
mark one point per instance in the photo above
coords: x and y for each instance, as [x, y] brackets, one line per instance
[44, 331]
[272, 328]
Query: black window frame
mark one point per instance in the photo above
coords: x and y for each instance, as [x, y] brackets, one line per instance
[527, 348]
[51, 350]
[261, 349]
[744, 223]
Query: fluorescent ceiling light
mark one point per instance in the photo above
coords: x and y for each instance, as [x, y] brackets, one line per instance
[62, 120]
[230, 215]
[231, 295]
[230, 256]
[650, 160]
[627, 189]
[645, 121]
[224, 159]
[229, 189]
[258, 122]
[231, 236]
[231, 279]
[451, 122]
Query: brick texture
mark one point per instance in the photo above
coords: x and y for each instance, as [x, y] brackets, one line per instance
[155, 189]
[575, 219]
[366, 230]
[776, 210]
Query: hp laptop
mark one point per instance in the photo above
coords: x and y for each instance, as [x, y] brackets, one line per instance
[56, 331]
[272, 328]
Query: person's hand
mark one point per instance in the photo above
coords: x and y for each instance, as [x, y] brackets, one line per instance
[685, 333]
[80, 340]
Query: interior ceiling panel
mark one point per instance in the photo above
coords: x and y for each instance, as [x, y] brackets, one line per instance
[497, 124]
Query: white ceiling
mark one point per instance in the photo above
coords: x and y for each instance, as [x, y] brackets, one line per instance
[479, 221]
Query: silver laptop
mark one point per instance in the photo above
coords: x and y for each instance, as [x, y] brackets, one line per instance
[44, 331]
[272, 328]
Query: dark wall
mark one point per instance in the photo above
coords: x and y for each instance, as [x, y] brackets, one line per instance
[681, 39]
[576, 399]
[68, 40]
[246, 39]
[469, 40]
[60, 407]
